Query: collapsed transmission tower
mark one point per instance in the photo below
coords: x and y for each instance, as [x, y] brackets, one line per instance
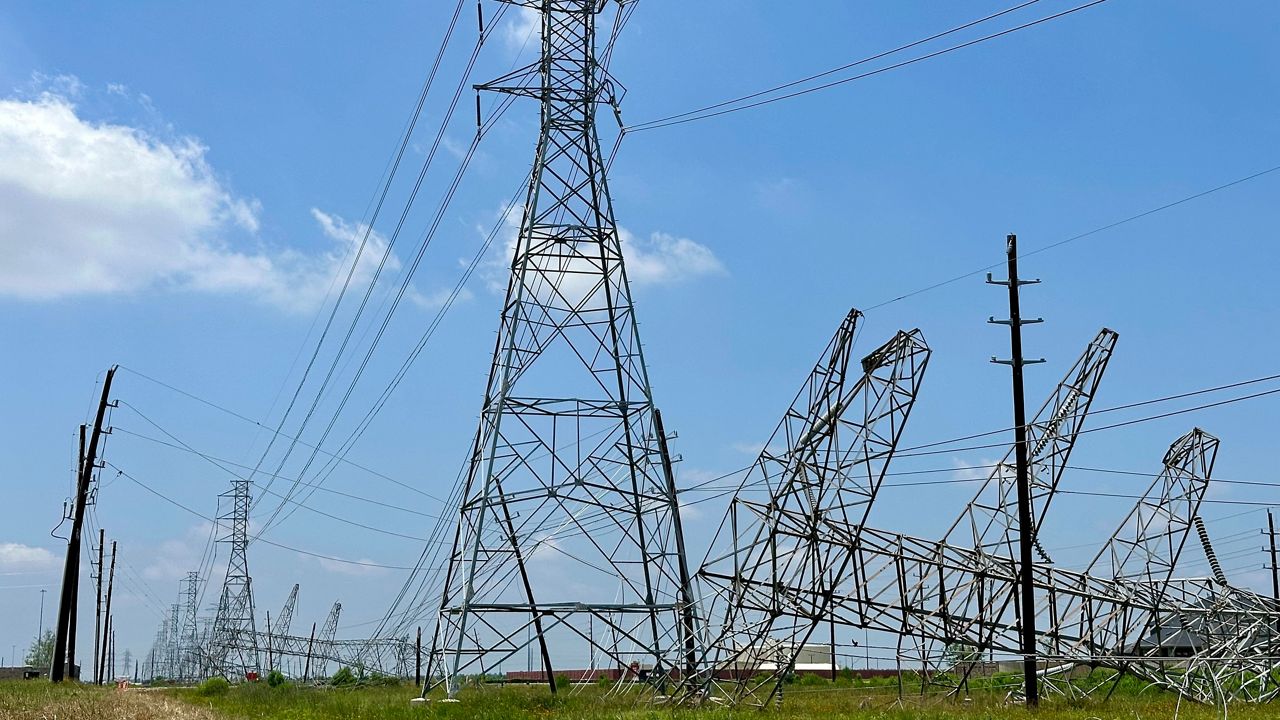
[234, 645]
[568, 534]
[769, 579]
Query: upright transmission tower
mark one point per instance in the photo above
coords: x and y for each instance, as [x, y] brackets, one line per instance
[235, 638]
[568, 543]
[189, 655]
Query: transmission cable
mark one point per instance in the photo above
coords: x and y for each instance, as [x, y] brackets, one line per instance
[701, 114]
[273, 543]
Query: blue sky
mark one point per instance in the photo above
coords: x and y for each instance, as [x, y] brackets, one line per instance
[182, 183]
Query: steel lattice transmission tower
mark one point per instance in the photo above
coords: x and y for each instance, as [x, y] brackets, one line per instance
[568, 537]
[189, 653]
[235, 637]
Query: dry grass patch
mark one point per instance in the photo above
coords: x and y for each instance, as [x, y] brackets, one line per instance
[40, 700]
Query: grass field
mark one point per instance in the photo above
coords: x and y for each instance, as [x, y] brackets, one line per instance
[42, 701]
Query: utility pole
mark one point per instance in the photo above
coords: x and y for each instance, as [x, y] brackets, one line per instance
[1275, 574]
[40, 626]
[75, 597]
[270, 667]
[97, 613]
[1025, 527]
[306, 670]
[417, 662]
[71, 570]
[106, 648]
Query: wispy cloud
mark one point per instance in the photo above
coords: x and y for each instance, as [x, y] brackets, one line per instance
[19, 558]
[659, 259]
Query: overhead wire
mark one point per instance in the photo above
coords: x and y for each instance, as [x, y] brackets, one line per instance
[272, 543]
[407, 275]
[355, 263]
[710, 111]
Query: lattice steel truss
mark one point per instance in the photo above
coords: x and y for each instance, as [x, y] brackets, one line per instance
[568, 523]
[769, 579]
[795, 550]
[189, 652]
[233, 647]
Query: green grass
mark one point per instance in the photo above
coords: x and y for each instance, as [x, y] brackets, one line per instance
[845, 701]
[38, 700]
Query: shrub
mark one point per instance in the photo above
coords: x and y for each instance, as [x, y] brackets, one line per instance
[275, 678]
[343, 677]
[562, 682]
[213, 686]
[810, 679]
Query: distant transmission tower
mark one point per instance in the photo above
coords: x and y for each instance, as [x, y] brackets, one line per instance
[190, 652]
[235, 641]
[569, 538]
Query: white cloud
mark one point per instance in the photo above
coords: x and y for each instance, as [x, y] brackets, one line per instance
[659, 259]
[98, 208]
[171, 559]
[664, 258]
[16, 557]
[752, 449]
[967, 471]
[521, 30]
[689, 513]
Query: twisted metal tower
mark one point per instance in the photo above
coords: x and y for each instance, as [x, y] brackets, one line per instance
[569, 534]
[235, 644]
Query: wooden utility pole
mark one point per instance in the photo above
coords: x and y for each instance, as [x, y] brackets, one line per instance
[97, 613]
[106, 627]
[417, 659]
[306, 670]
[75, 597]
[270, 667]
[1026, 529]
[71, 569]
[1275, 573]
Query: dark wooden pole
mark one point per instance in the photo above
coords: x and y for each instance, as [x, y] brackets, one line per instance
[111, 581]
[97, 613]
[1025, 527]
[417, 662]
[306, 671]
[71, 569]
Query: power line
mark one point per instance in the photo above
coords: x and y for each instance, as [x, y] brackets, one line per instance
[273, 543]
[692, 115]
[355, 263]
[1114, 408]
[1112, 426]
[235, 414]
[1080, 236]
[832, 71]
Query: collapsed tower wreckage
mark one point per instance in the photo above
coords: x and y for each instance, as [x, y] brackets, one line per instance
[810, 561]
[570, 461]
[571, 452]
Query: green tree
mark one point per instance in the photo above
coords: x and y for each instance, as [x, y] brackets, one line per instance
[40, 654]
